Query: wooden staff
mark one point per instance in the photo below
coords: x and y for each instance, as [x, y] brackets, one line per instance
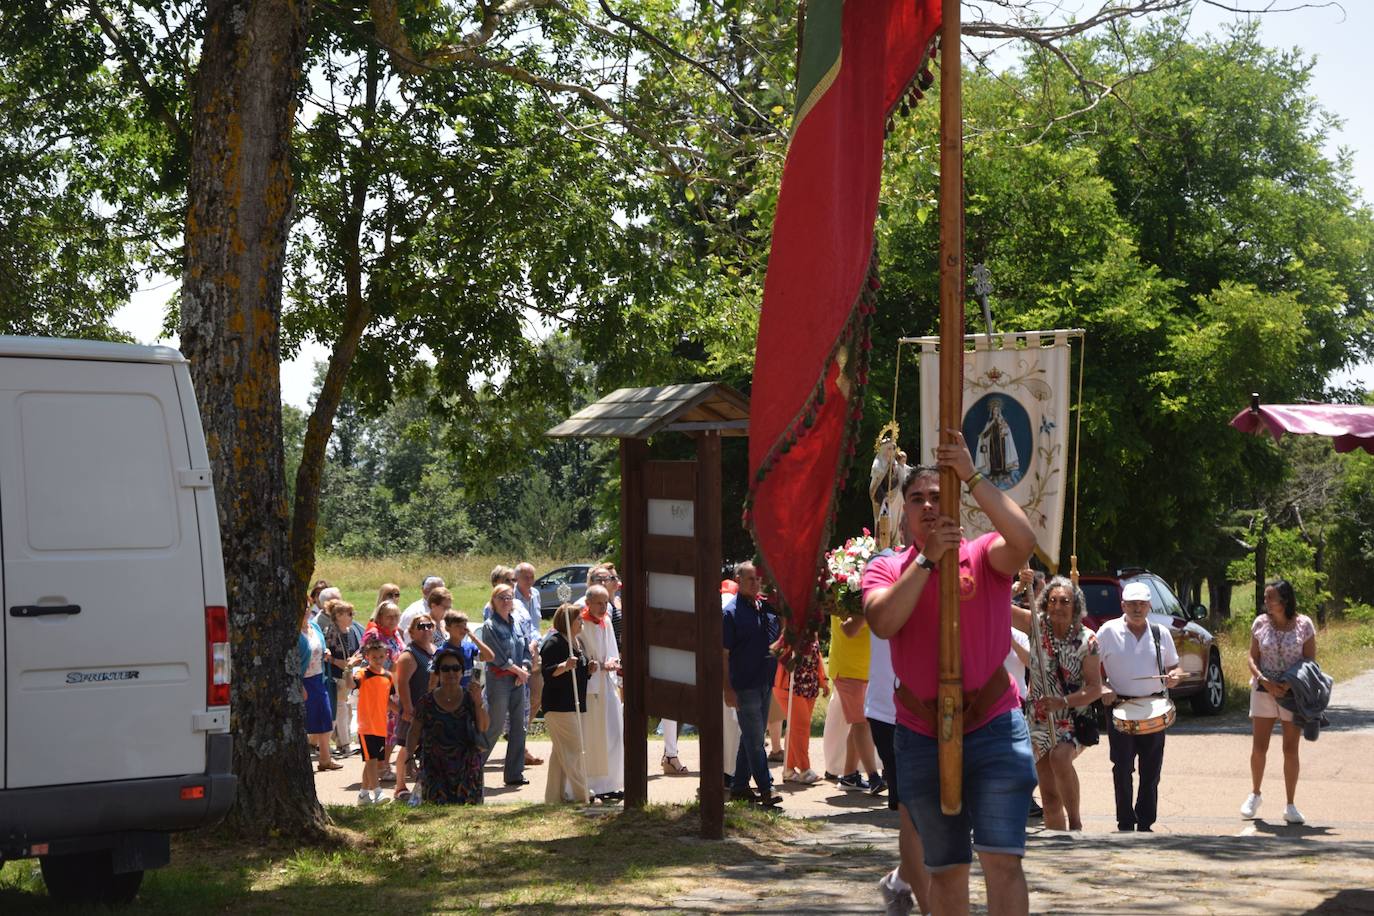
[565, 609]
[950, 698]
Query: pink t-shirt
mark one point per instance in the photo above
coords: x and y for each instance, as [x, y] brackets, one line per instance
[984, 628]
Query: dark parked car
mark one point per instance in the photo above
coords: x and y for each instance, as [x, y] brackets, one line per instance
[1203, 680]
[574, 576]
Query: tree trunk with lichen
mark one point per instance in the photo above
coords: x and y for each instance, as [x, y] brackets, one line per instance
[238, 216]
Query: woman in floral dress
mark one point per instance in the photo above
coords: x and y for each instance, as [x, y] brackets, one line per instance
[1064, 675]
[447, 725]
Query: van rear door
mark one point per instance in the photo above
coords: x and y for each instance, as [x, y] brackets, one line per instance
[104, 604]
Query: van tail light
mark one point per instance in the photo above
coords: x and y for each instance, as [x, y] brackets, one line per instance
[216, 656]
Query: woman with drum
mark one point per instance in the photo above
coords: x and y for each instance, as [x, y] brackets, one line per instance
[1065, 677]
[1279, 638]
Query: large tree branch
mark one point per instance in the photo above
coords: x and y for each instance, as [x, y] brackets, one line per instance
[156, 103]
[1018, 24]
[357, 316]
[391, 36]
[674, 53]
[391, 33]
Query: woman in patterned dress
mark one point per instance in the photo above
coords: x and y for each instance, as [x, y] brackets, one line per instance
[446, 725]
[1279, 637]
[1064, 675]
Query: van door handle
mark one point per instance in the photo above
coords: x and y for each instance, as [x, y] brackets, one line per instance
[43, 610]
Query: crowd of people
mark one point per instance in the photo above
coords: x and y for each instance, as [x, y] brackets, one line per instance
[1038, 693]
[432, 693]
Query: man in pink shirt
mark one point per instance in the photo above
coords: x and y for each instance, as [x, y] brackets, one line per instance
[902, 604]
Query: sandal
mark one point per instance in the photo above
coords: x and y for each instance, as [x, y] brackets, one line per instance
[775, 757]
[674, 767]
[326, 767]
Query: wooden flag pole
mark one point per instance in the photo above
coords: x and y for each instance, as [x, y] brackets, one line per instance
[950, 698]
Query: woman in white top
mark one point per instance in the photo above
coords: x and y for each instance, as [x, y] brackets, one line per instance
[1280, 636]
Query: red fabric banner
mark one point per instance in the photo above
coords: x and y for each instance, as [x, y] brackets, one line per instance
[811, 355]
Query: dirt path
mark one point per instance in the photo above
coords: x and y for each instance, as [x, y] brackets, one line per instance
[1203, 857]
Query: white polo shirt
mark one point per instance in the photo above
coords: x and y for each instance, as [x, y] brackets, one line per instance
[879, 703]
[1013, 663]
[408, 616]
[1129, 662]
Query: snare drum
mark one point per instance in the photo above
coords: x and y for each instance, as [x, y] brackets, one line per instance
[1143, 715]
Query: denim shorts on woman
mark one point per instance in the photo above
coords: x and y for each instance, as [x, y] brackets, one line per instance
[999, 776]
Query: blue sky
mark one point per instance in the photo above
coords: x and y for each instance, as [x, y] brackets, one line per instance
[1341, 39]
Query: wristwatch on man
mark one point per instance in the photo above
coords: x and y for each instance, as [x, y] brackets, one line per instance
[924, 561]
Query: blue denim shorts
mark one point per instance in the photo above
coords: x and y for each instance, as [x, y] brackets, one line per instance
[999, 776]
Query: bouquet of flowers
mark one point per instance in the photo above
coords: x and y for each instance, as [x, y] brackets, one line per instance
[844, 569]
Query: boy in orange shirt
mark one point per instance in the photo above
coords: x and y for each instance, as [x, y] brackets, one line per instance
[374, 693]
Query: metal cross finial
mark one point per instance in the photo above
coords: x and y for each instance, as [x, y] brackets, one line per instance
[982, 285]
[982, 280]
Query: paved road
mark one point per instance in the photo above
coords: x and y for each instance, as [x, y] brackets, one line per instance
[1203, 857]
[1206, 777]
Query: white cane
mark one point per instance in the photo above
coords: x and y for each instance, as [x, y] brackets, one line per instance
[791, 726]
[577, 700]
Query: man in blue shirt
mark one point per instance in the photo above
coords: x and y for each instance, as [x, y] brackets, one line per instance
[749, 629]
[507, 674]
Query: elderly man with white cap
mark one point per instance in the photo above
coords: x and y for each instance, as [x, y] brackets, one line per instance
[1139, 660]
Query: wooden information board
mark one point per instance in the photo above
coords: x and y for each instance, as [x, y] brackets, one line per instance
[670, 564]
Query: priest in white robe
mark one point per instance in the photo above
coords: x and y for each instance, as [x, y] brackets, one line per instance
[604, 719]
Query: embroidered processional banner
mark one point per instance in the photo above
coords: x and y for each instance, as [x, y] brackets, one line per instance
[1016, 424]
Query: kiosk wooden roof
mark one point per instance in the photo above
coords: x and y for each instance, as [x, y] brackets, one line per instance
[638, 413]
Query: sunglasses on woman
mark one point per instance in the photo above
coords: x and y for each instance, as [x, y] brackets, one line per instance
[424, 626]
[449, 669]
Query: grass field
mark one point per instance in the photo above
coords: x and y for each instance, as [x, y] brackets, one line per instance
[1345, 647]
[488, 859]
[468, 577]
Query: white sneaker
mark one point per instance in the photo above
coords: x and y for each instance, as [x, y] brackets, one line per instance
[1251, 806]
[1292, 815]
[897, 902]
[364, 798]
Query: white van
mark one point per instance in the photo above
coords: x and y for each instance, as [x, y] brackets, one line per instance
[114, 647]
